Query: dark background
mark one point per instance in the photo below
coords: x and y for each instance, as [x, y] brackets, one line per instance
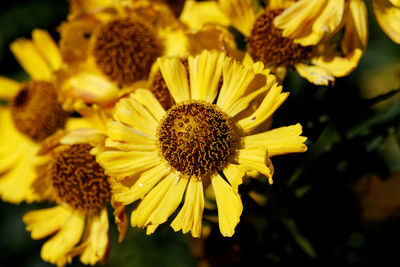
[312, 213]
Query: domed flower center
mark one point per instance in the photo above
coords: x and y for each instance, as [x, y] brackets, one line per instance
[79, 180]
[267, 45]
[36, 111]
[125, 49]
[196, 138]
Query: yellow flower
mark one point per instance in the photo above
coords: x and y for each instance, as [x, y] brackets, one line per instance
[69, 175]
[209, 137]
[387, 14]
[301, 44]
[34, 113]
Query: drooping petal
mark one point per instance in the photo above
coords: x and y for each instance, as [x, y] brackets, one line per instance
[255, 157]
[229, 205]
[56, 249]
[190, 216]
[315, 74]
[356, 27]
[44, 222]
[388, 17]
[306, 22]
[96, 244]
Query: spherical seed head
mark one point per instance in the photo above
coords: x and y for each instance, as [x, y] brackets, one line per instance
[125, 49]
[266, 43]
[36, 111]
[196, 138]
[79, 180]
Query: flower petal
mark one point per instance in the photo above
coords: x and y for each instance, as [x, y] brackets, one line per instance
[190, 216]
[229, 205]
[255, 157]
[279, 141]
[48, 48]
[388, 17]
[205, 72]
[31, 59]
[8, 88]
[241, 13]
[175, 77]
[270, 103]
[315, 74]
[44, 222]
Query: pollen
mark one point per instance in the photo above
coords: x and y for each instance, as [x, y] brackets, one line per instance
[125, 49]
[78, 180]
[197, 138]
[266, 43]
[36, 111]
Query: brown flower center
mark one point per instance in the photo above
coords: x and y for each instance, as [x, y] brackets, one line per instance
[36, 111]
[125, 49]
[79, 180]
[196, 138]
[267, 45]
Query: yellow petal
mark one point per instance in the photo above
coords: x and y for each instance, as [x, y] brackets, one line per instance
[356, 27]
[120, 164]
[308, 21]
[315, 74]
[255, 157]
[127, 138]
[229, 205]
[396, 3]
[190, 216]
[153, 210]
[175, 44]
[234, 174]
[175, 77]
[337, 66]
[270, 103]
[195, 14]
[147, 99]
[91, 88]
[97, 241]
[44, 222]
[142, 214]
[31, 60]
[205, 72]
[388, 17]
[241, 13]
[236, 79]
[130, 111]
[280, 141]
[8, 88]
[48, 48]
[56, 249]
[146, 181]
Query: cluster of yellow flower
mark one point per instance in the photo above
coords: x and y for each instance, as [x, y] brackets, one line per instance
[152, 104]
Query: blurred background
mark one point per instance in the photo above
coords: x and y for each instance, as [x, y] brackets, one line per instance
[337, 203]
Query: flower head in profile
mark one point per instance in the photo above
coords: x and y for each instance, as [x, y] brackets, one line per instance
[209, 137]
[316, 58]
